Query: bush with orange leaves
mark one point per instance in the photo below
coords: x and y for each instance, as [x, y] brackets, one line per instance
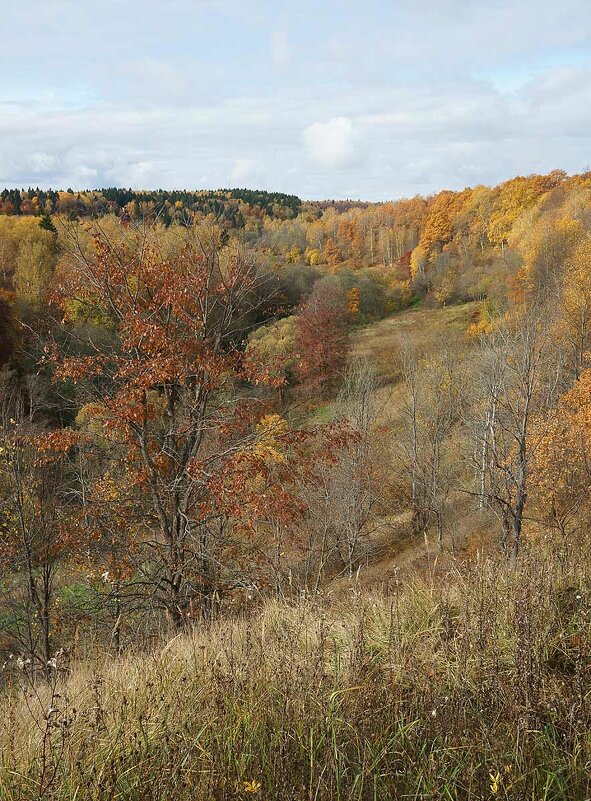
[561, 469]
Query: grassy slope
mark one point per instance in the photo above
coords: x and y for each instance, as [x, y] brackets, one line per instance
[439, 690]
[432, 331]
[460, 682]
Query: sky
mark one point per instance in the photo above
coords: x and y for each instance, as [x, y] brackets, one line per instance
[361, 99]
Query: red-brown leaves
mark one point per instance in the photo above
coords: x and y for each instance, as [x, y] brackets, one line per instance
[262, 480]
[322, 338]
[165, 397]
[57, 442]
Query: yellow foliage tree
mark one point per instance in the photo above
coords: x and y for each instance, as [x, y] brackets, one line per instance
[418, 262]
[28, 254]
[561, 472]
[574, 325]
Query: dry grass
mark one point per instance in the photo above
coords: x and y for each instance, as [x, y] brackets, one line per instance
[431, 330]
[471, 686]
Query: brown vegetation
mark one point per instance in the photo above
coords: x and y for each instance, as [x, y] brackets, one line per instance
[224, 418]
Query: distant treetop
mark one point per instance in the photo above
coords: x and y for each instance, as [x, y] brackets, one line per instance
[230, 206]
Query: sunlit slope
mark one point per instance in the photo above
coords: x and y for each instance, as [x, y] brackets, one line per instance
[433, 332]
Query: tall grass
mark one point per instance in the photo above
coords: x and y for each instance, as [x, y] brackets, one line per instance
[474, 685]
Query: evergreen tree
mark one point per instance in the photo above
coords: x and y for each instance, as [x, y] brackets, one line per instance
[46, 223]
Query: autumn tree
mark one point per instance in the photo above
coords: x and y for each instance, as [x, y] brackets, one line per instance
[561, 472]
[35, 525]
[273, 348]
[28, 256]
[332, 254]
[574, 321]
[512, 198]
[547, 244]
[474, 219]
[162, 386]
[517, 385]
[441, 218]
[322, 341]
[33, 269]
[405, 219]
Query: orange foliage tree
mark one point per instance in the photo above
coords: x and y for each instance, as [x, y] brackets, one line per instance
[561, 472]
[164, 388]
[322, 340]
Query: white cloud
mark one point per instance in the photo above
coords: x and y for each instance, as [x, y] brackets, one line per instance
[42, 162]
[248, 173]
[156, 79]
[331, 143]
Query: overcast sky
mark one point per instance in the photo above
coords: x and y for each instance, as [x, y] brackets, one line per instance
[369, 99]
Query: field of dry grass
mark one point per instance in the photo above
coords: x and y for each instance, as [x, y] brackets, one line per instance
[432, 330]
[475, 685]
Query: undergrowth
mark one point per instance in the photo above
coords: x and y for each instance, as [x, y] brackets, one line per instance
[473, 685]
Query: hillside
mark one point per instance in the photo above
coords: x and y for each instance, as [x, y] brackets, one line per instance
[471, 686]
[316, 473]
[435, 332]
[295, 401]
[432, 331]
[349, 379]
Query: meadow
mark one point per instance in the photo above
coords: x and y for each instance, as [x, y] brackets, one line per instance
[472, 682]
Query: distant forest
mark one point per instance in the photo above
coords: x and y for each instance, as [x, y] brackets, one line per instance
[225, 204]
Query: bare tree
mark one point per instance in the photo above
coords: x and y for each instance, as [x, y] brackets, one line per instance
[430, 414]
[517, 382]
[33, 535]
[355, 476]
[344, 506]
